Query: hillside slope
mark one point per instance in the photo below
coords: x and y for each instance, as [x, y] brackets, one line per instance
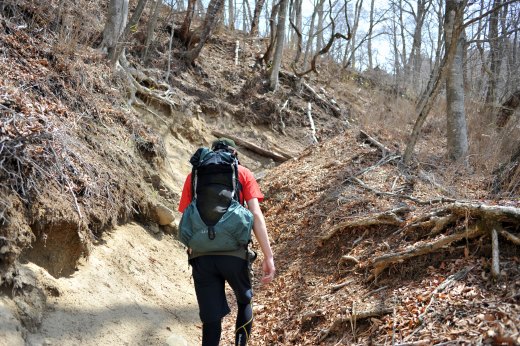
[86, 259]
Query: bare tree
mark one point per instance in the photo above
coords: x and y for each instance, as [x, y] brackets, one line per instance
[231, 14]
[320, 27]
[246, 19]
[184, 31]
[278, 53]
[256, 16]
[457, 135]
[427, 98]
[210, 22]
[268, 55]
[334, 36]
[495, 59]
[369, 42]
[296, 23]
[349, 59]
[151, 29]
[311, 34]
[120, 45]
[115, 24]
[415, 58]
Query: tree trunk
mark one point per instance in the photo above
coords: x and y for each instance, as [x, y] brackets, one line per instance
[184, 31]
[256, 16]
[319, 26]
[199, 8]
[278, 53]
[120, 46]
[350, 48]
[456, 119]
[151, 29]
[310, 39]
[494, 64]
[402, 26]
[115, 24]
[425, 102]
[231, 14]
[415, 61]
[246, 21]
[268, 55]
[369, 39]
[210, 23]
[508, 108]
[296, 36]
[395, 42]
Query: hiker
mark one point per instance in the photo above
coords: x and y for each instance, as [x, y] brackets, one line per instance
[212, 204]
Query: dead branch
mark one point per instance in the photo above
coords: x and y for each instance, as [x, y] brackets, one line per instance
[385, 218]
[383, 161]
[366, 137]
[445, 284]
[375, 312]
[382, 262]
[515, 240]
[353, 317]
[341, 285]
[336, 111]
[397, 195]
[254, 148]
[495, 254]
[311, 121]
[347, 258]
[374, 291]
[424, 342]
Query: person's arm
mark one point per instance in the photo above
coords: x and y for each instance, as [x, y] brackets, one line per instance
[260, 231]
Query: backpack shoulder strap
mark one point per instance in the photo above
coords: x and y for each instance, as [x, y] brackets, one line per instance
[237, 186]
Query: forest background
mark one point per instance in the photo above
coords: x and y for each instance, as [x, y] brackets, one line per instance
[384, 134]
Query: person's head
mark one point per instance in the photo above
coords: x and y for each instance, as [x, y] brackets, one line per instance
[224, 144]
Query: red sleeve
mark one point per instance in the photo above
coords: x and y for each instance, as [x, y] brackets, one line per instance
[186, 194]
[250, 187]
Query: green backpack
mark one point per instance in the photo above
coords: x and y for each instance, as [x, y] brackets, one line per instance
[215, 220]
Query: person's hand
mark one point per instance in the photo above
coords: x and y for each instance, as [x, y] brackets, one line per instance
[268, 269]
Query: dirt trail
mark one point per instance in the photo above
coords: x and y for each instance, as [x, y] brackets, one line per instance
[134, 289]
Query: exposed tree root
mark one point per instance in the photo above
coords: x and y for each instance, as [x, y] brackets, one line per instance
[486, 220]
[382, 262]
[389, 217]
[513, 239]
[145, 88]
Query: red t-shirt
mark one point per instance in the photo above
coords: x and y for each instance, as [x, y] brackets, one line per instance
[250, 188]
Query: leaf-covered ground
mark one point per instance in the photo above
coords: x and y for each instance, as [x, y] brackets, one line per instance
[316, 291]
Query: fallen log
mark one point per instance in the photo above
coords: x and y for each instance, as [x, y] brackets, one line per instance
[279, 157]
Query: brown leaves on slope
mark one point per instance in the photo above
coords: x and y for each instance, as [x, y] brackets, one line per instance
[321, 294]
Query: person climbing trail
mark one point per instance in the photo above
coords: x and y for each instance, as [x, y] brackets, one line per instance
[216, 228]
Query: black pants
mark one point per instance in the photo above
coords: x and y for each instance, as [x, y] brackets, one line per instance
[210, 273]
